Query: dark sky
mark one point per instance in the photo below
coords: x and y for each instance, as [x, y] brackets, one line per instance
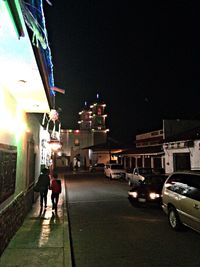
[142, 57]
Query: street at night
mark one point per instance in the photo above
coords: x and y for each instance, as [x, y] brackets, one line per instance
[98, 104]
[107, 230]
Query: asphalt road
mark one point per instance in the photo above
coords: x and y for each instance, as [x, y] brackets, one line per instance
[108, 231]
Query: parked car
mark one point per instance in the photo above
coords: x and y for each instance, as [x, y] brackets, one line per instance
[138, 174]
[148, 190]
[181, 200]
[129, 174]
[114, 171]
[97, 167]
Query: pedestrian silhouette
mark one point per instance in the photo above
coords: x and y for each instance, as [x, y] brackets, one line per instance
[56, 190]
[42, 185]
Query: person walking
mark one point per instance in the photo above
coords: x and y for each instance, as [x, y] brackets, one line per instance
[43, 184]
[56, 190]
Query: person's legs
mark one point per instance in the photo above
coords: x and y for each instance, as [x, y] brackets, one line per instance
[52, 200]
[56, 201]
[41, 199]
[45, 197]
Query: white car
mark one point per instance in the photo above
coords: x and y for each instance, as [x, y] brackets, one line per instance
[114, 171]
[138, 174]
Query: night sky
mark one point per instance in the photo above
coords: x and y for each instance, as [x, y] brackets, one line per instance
[142, 57]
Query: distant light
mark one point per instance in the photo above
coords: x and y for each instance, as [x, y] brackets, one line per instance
[77, 131]
[55, 145]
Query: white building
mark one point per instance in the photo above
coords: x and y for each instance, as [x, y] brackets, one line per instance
[182, 152]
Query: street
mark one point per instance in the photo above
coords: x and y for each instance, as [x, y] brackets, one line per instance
[107, 230]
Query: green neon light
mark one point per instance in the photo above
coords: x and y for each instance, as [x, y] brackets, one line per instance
[15, 13]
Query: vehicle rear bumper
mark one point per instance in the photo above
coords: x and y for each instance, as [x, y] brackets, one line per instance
[164, 208]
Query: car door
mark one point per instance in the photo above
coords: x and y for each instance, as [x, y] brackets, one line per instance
[136, 176]
[190, 202]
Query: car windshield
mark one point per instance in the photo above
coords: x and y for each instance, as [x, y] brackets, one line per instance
[154, 180]
[116, 167]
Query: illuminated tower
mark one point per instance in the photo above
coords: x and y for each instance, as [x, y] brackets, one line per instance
[85, 118]
[98, 121]
[98, 116]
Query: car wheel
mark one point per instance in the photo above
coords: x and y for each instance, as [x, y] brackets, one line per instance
[174, 220]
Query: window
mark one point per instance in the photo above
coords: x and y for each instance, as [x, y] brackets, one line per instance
[8, 160]
[185, 184]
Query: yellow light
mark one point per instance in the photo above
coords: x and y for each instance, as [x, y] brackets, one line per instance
[133, 194]
[154, 195]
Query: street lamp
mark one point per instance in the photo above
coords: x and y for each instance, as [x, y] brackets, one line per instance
[55, 145]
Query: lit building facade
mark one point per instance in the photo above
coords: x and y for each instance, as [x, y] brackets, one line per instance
[25, 93]
[92, 131]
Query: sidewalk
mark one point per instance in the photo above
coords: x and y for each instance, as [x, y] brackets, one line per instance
[43, 240]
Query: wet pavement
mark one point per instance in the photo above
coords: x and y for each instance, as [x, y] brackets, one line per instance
[43, 239]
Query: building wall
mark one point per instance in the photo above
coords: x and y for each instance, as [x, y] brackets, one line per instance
[75, 139]
[99, 137]
[73, 142]
[102, 156]
[99, 157]
[179, 148]
[17, 129]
